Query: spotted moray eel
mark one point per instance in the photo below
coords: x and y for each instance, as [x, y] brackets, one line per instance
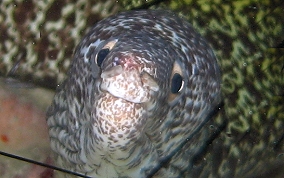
[141, 84]
[246, 138]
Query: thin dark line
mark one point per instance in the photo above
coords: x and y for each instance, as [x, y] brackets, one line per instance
[149, 4]
[16, 65]
[271, 11]
[41, 164]
[164, 161]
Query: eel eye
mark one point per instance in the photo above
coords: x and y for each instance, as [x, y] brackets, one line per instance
[97, 55]
[176, 83]
[101, 56]
[103, 52]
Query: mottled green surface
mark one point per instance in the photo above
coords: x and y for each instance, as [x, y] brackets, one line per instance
[243, 33]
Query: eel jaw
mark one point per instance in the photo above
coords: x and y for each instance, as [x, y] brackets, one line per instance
[121, 107]
[129, 83]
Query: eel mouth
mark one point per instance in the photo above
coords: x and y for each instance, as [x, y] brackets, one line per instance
[121, 111]
[127, 91]
[129, 83]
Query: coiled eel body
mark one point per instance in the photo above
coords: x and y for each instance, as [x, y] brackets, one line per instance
[141, 84]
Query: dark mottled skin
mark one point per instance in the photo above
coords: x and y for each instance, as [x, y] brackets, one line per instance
[155, 42]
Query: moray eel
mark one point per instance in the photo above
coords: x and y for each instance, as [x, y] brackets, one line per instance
[140, 86]
[39, 37]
